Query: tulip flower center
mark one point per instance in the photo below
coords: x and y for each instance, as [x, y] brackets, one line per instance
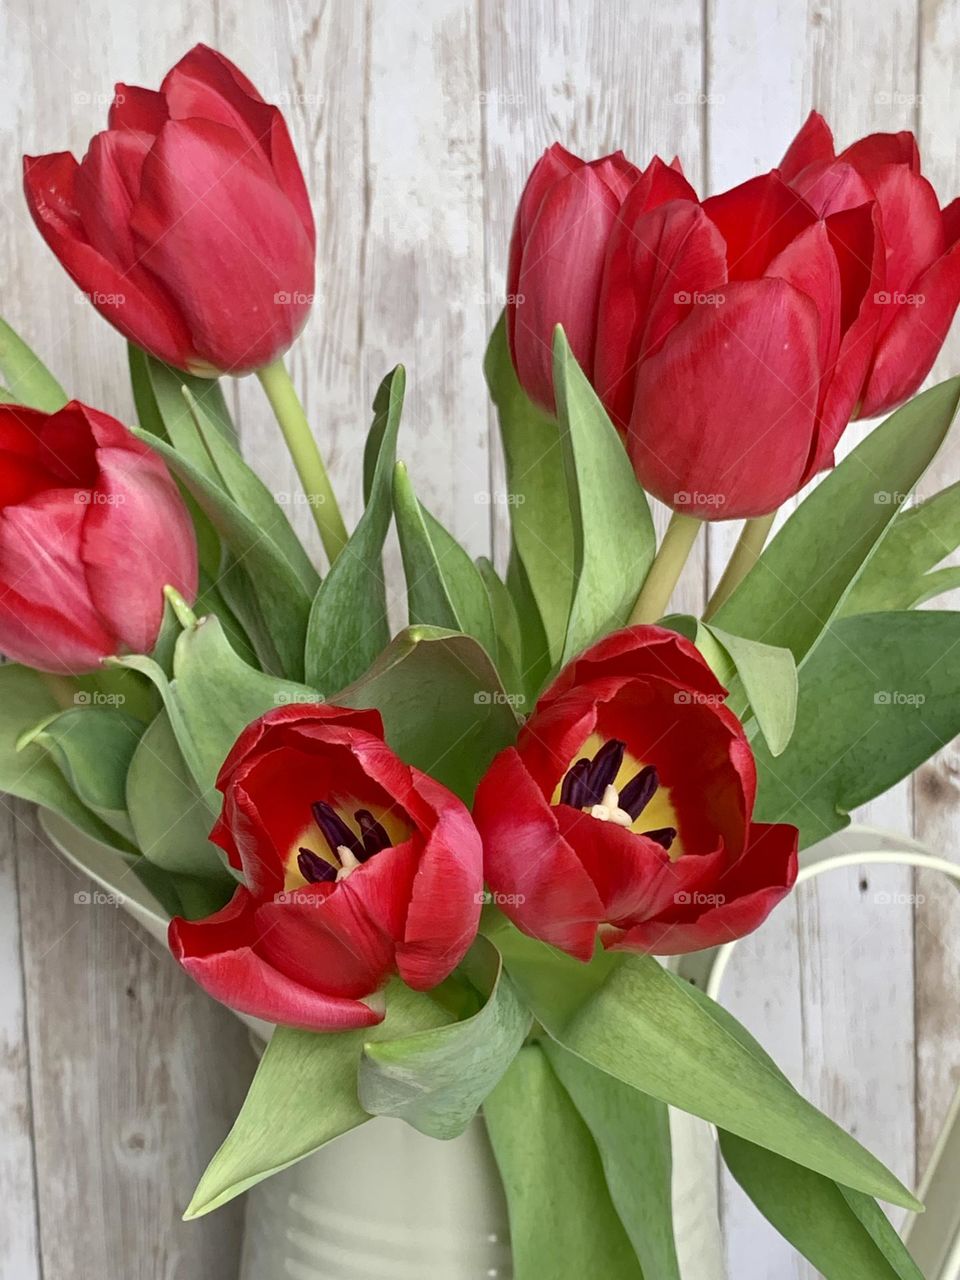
[612, 788]
[348, 849]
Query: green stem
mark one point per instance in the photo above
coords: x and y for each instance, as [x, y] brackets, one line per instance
[751, 542]
[306, 456]
[659, 583]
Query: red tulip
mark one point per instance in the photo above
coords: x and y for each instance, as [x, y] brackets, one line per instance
[733, 340]
[625, 809]
[187, 222]
[355, 866]
[919, 288]
[91, 530]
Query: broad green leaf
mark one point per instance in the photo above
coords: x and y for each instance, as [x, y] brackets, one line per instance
[769, 678]
[562, 1222]
[444, 586]
[800, 581]
[902, 572]
[162, 409]
[249, 492]
[28, 380]
[7, 397]
[303, 1095]
[844, 1232]
[28, 699]
[443, 706]
[536, 663]
[92, 746]
[437, 1079]
[213, 696]
[170, 819]
[642, 1026]
[613, 538]
[279, 600]
[632, 1133]
[348, 622]
[540, 515]
[505, 621]
[880, 695]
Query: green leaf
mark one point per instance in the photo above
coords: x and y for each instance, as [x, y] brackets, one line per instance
[506, 623]
[901, 574]
[562, 1222]
[800, 581]
[880, 695]
[444, 586]
[92, 746]
[29, 381]
[170, 819]
[443, 706]
[303, 1095]
[436, 1080]
[162, 410]
[348, 622]
[769, 678]
[214, 695]
[280, 602]
[540, 515]
[844, 1232]
[642, 1026]
[613, 538]
[822, 1220]
[536, 663]
[28, 699]
[632, 1133]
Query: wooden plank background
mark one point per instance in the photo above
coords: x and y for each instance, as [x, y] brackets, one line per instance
[416, 122]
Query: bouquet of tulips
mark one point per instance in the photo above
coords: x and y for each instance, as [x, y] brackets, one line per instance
[444, 863]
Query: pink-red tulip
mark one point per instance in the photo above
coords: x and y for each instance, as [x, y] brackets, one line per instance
[919, 288]
[625, 811]
[355, 866]
[187, 223]
[91, 530]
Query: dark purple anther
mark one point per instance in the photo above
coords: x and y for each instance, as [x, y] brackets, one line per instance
[663, 836]
[374, 834]
[639, 791]
[574, 790]
[336, 830]
[314, 869]
[605, 767]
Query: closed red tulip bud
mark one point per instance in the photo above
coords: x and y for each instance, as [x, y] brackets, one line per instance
[733, 339]
[355, 866]
[625, 811]
[187, 223]
[919, 286]
[92, 528]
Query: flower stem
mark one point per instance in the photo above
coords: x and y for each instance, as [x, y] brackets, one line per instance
[751, 542]
[288, 411]
[182, 611]
[659, 583]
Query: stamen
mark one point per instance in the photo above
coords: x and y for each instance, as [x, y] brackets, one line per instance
[605, 767]
[574, 791]
[348, 862]
[314, 869]
[375, 837]
[335, 830]
[663, 836]
[639, 791]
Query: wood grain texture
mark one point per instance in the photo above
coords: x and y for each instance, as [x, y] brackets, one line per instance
[416, 125]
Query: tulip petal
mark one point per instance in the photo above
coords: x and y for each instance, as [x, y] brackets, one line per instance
[219, 955]
[130, 299]
[832, 186]
[657, 264]
[750, 360]
[537, 879]
[447, 893]
[914, 235]
[757, 219]
[213, 225]
[912, 342]
[142, 110]
[810, 264]
[559, 278]
[813, 143]
[878, 150]
[744, 897]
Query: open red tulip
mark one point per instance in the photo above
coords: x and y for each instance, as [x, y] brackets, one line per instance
[187, 223]
[92, 528]
[625, 810]
[355, 866]
[919, 287]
